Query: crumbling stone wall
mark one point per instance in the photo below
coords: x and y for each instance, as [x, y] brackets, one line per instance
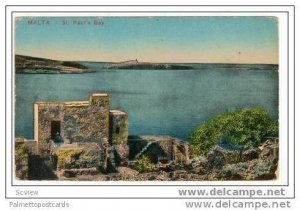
[79, 121]
[174, 150]
[180, 152]
[121, 154]
[21, 160]
[29, 165]
[162, 148]
[47, 112]
[87, 123]
[87, 155]
[75, 124]
[31, 146]
[82, 122]
[135, 145]
[118, 136]
[118, 127]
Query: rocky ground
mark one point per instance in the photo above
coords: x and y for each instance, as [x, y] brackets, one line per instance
[219, 164]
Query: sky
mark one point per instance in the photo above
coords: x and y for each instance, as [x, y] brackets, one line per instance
[150, 39]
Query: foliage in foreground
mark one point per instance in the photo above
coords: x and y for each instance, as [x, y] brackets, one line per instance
[247, 127]
[143, 164]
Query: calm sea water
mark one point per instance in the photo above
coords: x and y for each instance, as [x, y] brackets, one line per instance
[165, 102]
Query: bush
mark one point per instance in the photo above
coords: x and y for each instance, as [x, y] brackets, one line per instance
[67, 157]
[143, 164]
[247, 127]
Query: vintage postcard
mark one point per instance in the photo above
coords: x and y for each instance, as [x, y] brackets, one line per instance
[159, 107]
[140, 98]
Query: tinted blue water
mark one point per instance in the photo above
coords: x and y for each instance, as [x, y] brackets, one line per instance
[165, 102]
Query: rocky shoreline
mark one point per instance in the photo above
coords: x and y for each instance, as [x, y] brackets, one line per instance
[35, 65]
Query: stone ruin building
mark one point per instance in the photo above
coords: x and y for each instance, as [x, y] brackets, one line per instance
[86, 137]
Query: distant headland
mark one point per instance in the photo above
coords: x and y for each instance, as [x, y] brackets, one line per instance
[34, 65]
[135, 64]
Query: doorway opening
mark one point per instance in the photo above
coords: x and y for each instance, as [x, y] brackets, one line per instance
[117, 130]
[55, 128]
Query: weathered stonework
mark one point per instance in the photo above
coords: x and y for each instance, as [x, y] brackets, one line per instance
[45, 113]
[81, 124]
[86, 138]
[21, 159]
[78, 156]
[118, 133]
[118, 127]
[87, 123]
[83, 121]
[159, 149]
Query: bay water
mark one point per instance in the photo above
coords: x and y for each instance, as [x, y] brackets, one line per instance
[158, 102]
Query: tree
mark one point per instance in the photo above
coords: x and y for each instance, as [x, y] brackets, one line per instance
[247, 127]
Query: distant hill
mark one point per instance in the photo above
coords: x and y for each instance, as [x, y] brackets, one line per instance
[135, 64]
[34, 65]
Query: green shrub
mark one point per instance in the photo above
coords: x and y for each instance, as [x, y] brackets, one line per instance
[247, 127]
[65, 156]
[143, 164]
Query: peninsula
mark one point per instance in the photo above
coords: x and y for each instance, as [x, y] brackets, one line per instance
[34, 65]
[135, 64]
